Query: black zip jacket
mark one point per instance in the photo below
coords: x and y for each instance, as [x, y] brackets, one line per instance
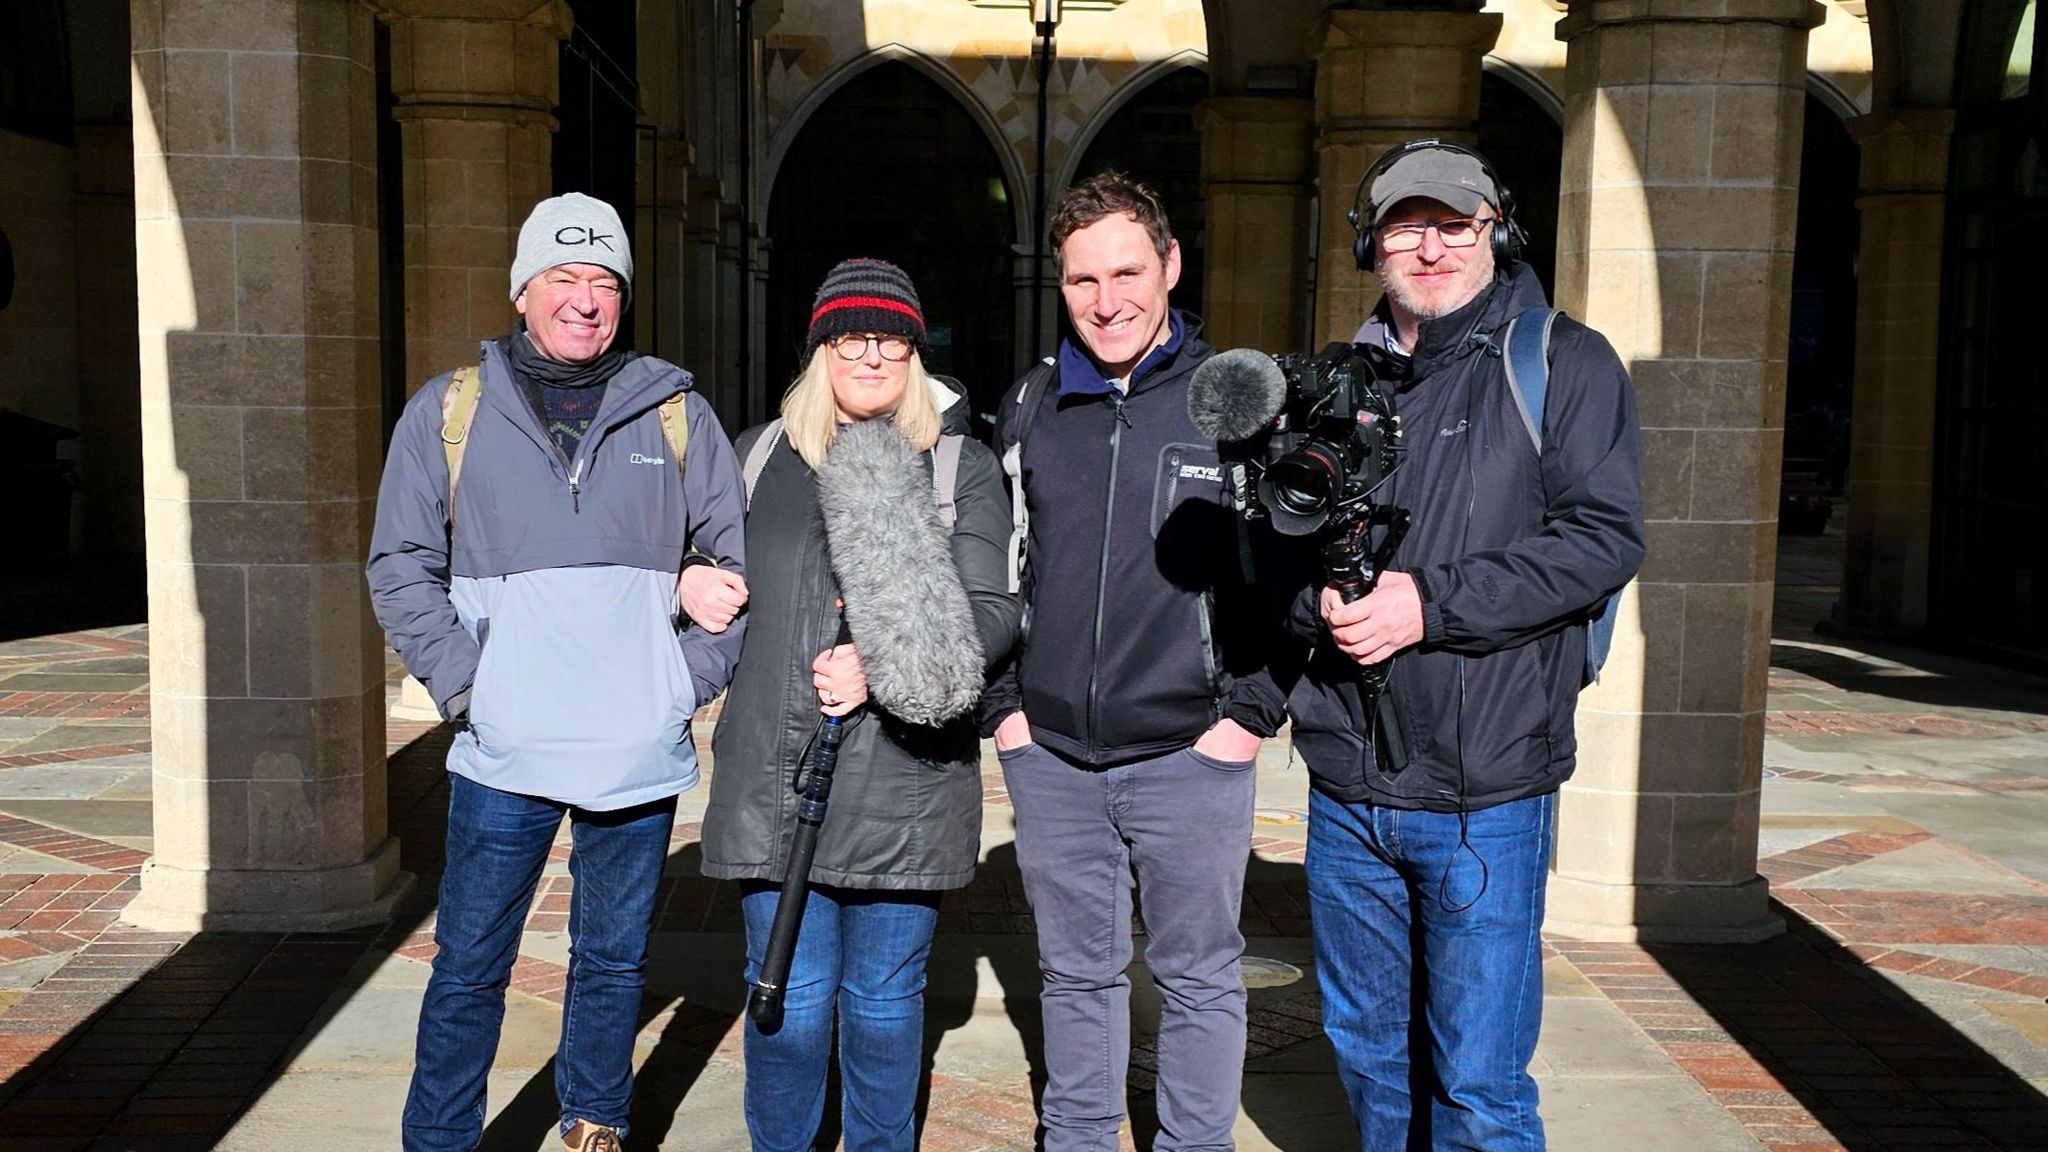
[1509, 552]
[1141, 631]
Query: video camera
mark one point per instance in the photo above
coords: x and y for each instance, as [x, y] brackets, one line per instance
[1306, 442]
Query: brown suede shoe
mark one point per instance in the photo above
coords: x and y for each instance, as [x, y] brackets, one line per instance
[583, 1136]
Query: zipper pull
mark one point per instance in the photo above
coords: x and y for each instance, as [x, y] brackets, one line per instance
[1117, 403]
[576, 487]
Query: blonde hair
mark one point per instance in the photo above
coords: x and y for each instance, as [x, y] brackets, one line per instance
[810, 417]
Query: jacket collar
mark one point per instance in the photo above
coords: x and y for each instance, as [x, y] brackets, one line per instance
[1449, 338]
[1080, 375]
[643, 383]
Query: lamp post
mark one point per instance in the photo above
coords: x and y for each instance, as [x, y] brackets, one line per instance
[1045, 21]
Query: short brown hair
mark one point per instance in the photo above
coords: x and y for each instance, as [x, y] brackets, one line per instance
[1109, 193]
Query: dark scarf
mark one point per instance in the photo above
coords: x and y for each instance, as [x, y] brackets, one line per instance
[564, 397]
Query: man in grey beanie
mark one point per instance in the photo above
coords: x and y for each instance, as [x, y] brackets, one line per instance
[537, 601]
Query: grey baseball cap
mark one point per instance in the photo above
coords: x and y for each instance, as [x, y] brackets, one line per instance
[572, 229]
[1453, 178]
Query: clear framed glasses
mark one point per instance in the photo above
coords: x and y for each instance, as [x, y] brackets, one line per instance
[854, 345]
[1456, 232]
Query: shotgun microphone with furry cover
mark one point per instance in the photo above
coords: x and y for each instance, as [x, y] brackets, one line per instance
[1234, 395]
[893, 559]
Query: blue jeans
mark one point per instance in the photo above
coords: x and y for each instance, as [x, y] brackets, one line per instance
[497, 844]
[1429, 956]
[865, 952]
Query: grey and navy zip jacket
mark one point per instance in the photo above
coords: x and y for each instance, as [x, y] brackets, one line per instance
[1142, 631]
[547, 619]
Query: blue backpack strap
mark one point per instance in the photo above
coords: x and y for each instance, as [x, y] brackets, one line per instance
[1526, 343]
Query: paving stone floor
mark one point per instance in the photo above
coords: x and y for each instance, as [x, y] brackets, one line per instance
[1903, 1008]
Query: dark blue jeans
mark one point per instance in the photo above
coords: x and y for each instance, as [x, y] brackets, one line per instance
[863, 952]
[497, 844]
[1428, 952]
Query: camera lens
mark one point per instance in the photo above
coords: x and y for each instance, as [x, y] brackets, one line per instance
[1300, 489]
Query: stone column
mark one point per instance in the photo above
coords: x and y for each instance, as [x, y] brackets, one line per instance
[256, 241]
[1258, 168]
[1382, 78]
[1676, 214]
[1898, 298]
[476, 85]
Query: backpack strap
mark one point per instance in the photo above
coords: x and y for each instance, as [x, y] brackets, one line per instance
[675, 426]
[1030, 397]
[458, 412]
[1527, 353]
[946, 475]
[757, 456]
[1526, 344]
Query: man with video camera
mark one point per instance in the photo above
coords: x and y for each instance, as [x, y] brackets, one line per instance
[1431, 816]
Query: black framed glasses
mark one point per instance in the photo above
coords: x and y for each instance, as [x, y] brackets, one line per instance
[1456, 232]
[854, 345]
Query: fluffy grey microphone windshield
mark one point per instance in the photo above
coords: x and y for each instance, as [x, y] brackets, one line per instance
[905, 605]
[1235, 394]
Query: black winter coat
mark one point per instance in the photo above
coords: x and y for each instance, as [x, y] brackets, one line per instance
[1143, 630]
[1509, 552]
[905, 812]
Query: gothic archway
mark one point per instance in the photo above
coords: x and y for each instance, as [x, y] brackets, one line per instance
[892, 166]
[1152, 136]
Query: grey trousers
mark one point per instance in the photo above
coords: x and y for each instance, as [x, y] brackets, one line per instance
[1182, 824]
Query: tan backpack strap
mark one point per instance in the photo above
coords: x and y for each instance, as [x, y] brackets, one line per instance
[458, 412]
[946, 475]
[675, 426]
[757, 456]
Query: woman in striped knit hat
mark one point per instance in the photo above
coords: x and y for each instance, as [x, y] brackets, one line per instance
[905, 818]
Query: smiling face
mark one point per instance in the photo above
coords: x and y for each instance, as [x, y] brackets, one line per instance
[1432, 280]
[868, 387]
[572, 311]
[1115, 286]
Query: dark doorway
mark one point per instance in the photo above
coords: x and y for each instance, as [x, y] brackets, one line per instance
[1525, 148]
[892, 167]
[597, 148]
[1989, 554]
[1820, 363]
[1154, 138]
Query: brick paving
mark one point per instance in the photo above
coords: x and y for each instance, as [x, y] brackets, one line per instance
[156, 1042]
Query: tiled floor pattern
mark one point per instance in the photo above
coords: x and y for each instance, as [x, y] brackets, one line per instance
[138, 1040]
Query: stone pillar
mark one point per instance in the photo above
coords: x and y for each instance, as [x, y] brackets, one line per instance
[1676, 214]
[256, 241]
[476, 85]
[1898, 298]
[1382, 78]
[1258, 169]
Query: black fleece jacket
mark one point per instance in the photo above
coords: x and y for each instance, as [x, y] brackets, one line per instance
[1141, 631]
[1510, 551]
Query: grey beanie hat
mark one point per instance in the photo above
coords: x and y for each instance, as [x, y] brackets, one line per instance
[572, 229]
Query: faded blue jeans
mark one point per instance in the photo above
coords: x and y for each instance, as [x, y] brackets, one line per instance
[864, 953]
[497, 845]
[1428, 951]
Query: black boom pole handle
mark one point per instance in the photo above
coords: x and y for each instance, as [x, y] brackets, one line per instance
[764, 998]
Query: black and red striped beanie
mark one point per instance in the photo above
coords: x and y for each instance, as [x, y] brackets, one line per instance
[863, 295]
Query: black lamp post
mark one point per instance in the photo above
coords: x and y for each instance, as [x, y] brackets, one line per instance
[1045, 21]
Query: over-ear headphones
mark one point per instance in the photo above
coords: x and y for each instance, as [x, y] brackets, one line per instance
[1507, 236]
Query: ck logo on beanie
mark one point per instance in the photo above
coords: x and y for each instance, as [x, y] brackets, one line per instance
[572, 229]
[577, 234]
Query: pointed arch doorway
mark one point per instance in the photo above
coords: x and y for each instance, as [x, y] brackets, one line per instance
[892, 166]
